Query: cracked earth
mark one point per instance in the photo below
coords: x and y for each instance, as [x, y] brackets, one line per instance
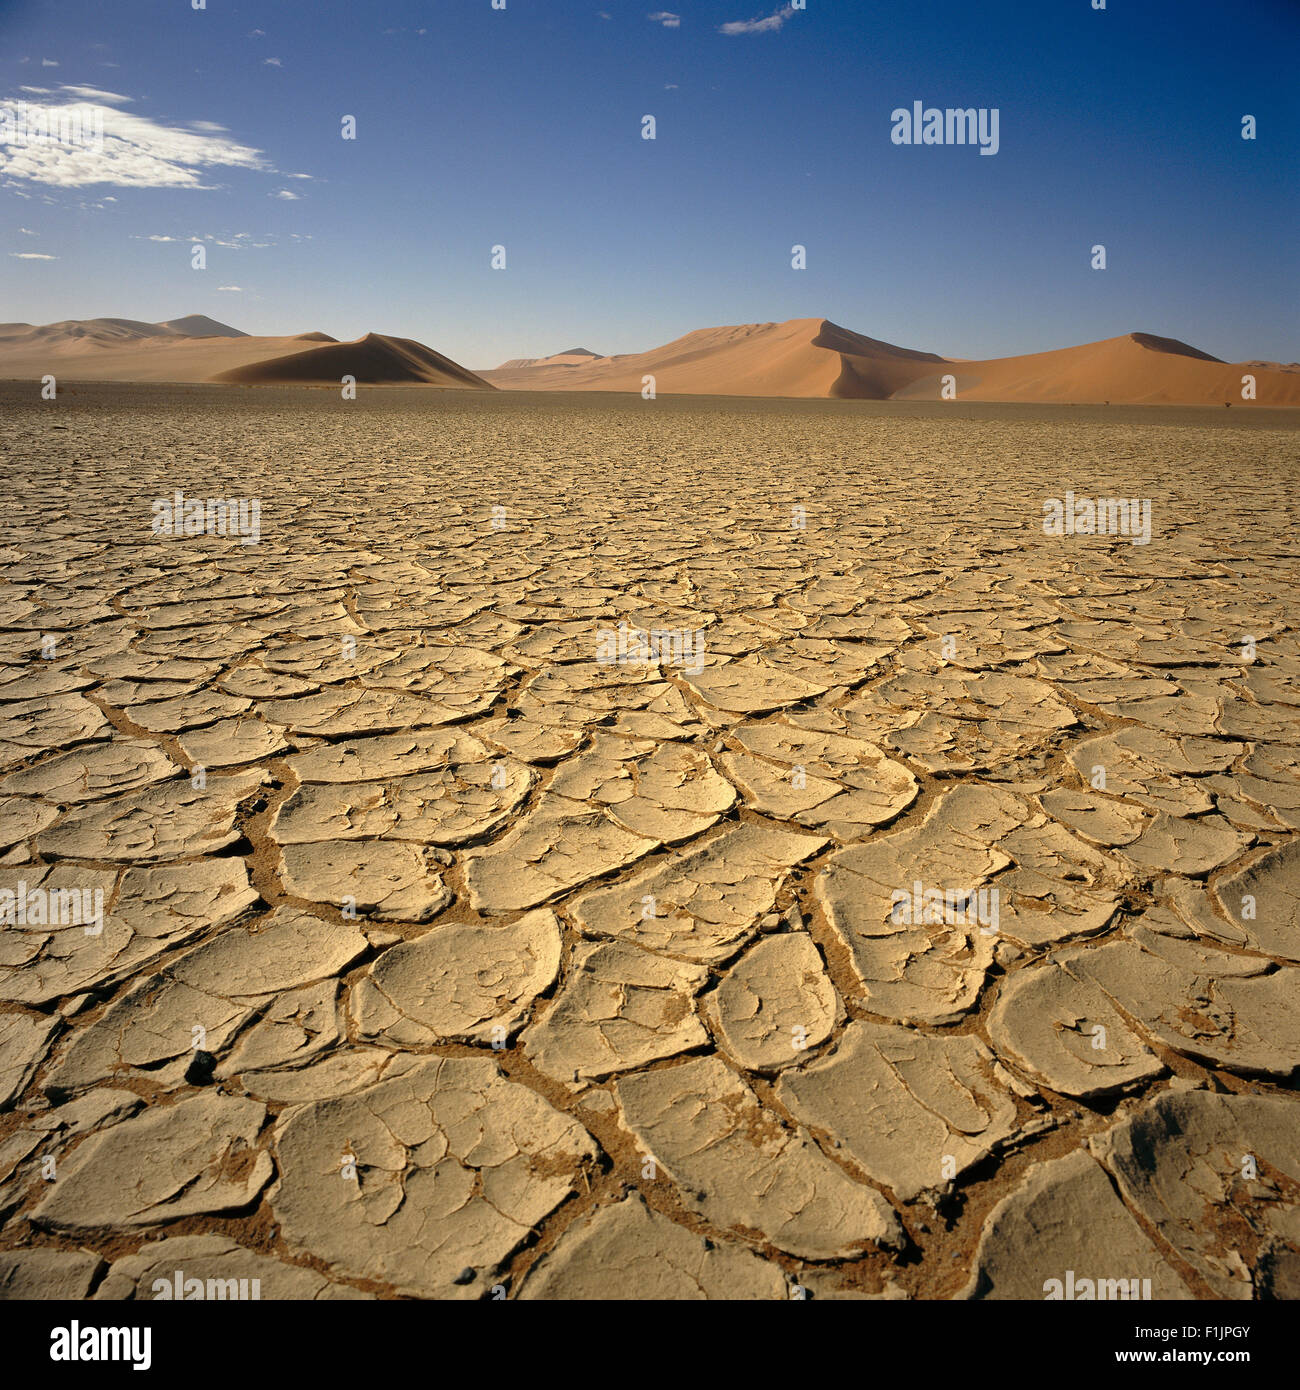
[441, 959]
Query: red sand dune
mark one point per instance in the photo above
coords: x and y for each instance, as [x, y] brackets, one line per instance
[374, 359]
[197, 349]
[818, 358]
[800, 358]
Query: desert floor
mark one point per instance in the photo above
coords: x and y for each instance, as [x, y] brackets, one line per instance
[440, 957]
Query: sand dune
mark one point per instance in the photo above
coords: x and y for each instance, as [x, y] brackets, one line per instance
[818, 358]
[810, 358]
[112, 331]
[802, 357]
[197, 348]
[1136, 368]
[570, 357]
[201, 326]
[374, 359]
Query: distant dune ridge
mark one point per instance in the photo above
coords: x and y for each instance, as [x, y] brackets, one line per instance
[813, 358]
[570, 357]
[197, 348]
[818, 358]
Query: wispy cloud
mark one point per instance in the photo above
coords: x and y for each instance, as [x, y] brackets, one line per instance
[94, 94]
[272, 63]
[286, 195]
[135, 152]
[231, 241]
[32, 256]
[48, 63]
[669, 21]
[230, 289]
[770, 25]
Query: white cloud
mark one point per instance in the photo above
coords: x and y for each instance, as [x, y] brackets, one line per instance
[758, 26]
[230, 289]
[286, 195]
[135, 151]
[671, 87]
[27, 231]
[94, 94]
[258, 34]
[164, 238]
[48, 63]
[32, 256]
[272, 63]
[669, 21]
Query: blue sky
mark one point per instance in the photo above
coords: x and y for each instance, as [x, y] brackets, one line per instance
[522, 127]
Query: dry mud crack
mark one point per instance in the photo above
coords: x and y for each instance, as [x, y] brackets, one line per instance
[488, 884]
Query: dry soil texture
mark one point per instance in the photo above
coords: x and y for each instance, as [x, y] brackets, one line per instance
[457, 943]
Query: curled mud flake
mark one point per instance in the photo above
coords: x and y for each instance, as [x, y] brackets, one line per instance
[1067, 1035]
[145, 913]
[459, 983]
[845, 785]
[24, 1040]
[913, 1111]
[738, 1165]
[1214, 1175]
[629, 1252]
[774, 1004]
[42, 1274]
[454, 805]
[621, 1008]
[699, 903]
[1263, 900]
[1189, 847]
[224, 1270]
[383, 880]
[452, 1167]
[92, 772]
[1224, 1010]
[172, 821]
[1067, 1214]
[193, 1158]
